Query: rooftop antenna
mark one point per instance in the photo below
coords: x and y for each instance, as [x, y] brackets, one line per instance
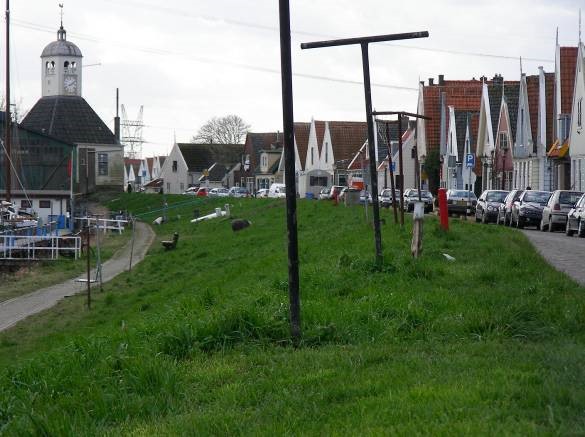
[579, 25]
[520, 66]
[557, 35]
[61, 6]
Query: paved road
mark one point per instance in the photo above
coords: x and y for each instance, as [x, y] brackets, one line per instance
[14, 310]
[566, 254]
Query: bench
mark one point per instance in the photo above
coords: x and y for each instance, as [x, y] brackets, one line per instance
[171, 244]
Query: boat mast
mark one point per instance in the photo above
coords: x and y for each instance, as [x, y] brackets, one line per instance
[7, 116]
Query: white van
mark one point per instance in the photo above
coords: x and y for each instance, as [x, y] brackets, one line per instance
[277, 190]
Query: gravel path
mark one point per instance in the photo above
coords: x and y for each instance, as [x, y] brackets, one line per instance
[14, 310]
[566, 254]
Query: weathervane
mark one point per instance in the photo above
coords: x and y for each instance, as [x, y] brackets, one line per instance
[61, 6]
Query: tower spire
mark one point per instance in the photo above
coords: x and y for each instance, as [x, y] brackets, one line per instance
[61, 34]
[579, 25]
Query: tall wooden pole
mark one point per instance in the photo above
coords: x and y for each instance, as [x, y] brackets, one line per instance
[372, 152]
[391, 164]
[290, 179]
[401, 169]
[8, 124]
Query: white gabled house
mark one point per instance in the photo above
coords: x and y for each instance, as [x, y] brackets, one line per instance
[485, 137]
[533, 132]
[577, 135]
[174, 172]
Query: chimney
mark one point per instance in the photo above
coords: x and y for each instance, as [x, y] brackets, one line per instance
[498, 79]
[441, 79]
[117, 117]
[431, 81]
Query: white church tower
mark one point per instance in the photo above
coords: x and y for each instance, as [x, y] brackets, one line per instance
[61, 67]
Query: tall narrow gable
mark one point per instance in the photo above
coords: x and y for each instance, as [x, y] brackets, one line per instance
[485, 136]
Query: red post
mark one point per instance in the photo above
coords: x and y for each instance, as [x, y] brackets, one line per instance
[443, 213]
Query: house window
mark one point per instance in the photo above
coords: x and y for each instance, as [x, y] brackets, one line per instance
[579, 112]
[564, 126]
[102, 164]
[326, 152]
[318, 181]
[521, 127]
[25, 204]
[174, 166]
[503, 141]
[45, 204]
[312, 157]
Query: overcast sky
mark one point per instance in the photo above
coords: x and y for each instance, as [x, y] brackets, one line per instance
[189, 60]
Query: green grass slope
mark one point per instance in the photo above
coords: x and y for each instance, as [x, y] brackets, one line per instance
[195, 341]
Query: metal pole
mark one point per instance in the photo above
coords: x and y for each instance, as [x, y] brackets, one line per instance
[372, 151]
[88, 268]
[132, 243]
[401, 169]
[289, 162]
[390, 164]
[364, 182]
[98, 264]
[8, 120]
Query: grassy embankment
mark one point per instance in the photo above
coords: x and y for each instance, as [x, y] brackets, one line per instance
[195, 341]
[47, 273]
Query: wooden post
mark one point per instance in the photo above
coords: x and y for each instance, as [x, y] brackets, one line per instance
[417, 229]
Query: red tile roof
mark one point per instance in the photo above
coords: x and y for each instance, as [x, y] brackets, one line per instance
[464, 95]
[549, 81]
[568, 63]
[533, 89]
[302, 138]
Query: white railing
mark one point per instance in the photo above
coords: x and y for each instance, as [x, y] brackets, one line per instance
[103, 224]
[38, 247]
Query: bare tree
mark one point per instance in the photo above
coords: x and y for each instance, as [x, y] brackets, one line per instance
[230, 129]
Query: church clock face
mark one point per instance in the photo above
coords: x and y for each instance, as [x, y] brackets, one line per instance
[70, 84]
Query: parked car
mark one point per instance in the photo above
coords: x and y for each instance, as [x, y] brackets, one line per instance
[505, 211]
[527, 210]
[576, 219]
[336, 191]
[554, 214]
[365, 195]
[488, 205]
[239, 192]
[191, 191]
[201, 192]
[218, 192]
[461, 202]
[277, 190]
[385, 197]
[262, 192]
[411, 197]
[324, 194]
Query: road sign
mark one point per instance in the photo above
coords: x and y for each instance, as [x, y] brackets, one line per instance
[470, 160]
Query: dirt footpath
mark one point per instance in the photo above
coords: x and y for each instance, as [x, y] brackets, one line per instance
[14, 310]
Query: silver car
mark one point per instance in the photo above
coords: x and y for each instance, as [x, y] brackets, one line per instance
[554, 214]
[576, 219]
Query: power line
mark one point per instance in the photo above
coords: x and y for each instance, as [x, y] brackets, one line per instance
[205, 60]
[238, 23]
